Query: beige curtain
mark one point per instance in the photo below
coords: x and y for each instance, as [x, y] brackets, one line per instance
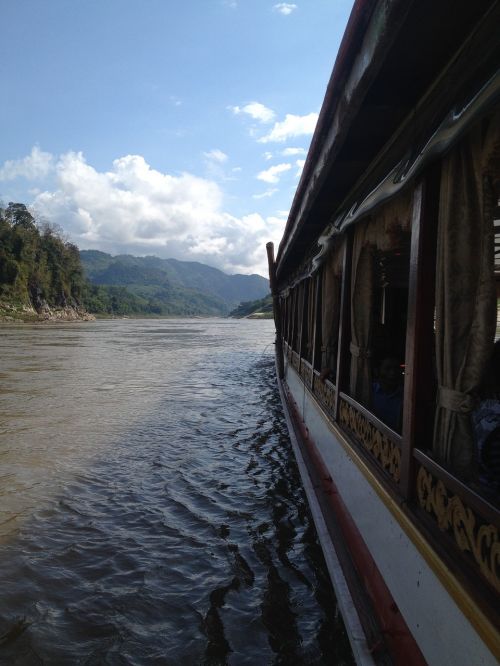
[311, 310]
[330, 307]
[382, 232]
[361, 324]
[300, 316]
[465, 289]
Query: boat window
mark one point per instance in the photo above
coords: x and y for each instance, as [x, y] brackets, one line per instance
[467, 292]
[379, 298]
[329, 312]
[308, 309]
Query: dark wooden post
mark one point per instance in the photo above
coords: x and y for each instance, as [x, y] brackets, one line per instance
[276, 310]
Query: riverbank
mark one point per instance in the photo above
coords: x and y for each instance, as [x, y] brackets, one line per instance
[18, 313]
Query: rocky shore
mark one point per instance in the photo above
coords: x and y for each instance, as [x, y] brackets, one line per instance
[27, 313]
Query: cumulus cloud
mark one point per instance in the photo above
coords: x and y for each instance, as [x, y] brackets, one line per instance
[293, 151]
[216, 155]
[37, 165]
[291, 127]
[137, 209]
[266, 194]
[268, 156]
[285, 8]
[272, 175]
[300, 164]
[255, 110]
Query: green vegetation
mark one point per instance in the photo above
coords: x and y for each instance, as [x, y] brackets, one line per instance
[163, 287]
[37, 267]
[259, 309]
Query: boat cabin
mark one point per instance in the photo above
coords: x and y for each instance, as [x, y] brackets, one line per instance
[386, 290]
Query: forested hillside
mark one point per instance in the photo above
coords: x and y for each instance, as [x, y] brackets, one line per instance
[259, 309]
[37, 267]
[170, 286]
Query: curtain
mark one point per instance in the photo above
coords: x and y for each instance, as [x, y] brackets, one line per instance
[465, 289]
[361, 324]
[330, 308]
[300, 316]
[382, 232]
[311, 310]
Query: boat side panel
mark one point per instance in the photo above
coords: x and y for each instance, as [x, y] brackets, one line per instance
[443, 633]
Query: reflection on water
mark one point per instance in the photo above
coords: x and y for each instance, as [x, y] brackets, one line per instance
[151, 512]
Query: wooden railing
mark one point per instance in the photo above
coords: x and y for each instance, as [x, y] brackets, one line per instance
[378, 441]
[462, 526]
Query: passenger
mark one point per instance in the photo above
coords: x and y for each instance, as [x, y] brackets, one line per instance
[387, 393]
[486, 425]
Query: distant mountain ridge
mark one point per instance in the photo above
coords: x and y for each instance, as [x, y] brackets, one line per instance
[171, 286]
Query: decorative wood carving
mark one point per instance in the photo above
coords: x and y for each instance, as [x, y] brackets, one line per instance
[325, 393]
[386, 453]
[306, 372]
[471, 534]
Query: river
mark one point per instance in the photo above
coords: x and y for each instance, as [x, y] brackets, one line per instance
[151, 511]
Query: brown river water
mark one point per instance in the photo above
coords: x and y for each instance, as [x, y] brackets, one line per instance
[150, 508]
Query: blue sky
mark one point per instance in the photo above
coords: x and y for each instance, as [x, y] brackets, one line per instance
[163, 127]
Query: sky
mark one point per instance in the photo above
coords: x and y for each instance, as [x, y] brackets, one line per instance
[175, 128]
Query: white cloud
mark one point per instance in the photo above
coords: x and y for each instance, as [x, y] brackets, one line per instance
[272, 175]
[266, 194]
[268, 156]
[216, 155]
[300, 164]
[34, 166]
[284, 8]
[256, 110]
[291, 127]
[137, 209]
[293, 151]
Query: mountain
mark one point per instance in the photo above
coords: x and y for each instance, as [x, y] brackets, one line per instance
[260, 309]
[169, 286]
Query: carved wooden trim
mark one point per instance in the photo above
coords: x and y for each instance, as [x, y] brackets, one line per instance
[325, 392]
[385, 452]
[306, 372]
[471, 534]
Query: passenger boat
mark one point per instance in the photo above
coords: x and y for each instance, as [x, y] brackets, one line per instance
[385, 290]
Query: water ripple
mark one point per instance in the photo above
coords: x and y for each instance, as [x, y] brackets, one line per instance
[160, 519]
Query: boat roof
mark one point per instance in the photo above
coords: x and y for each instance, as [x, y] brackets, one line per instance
[391, 55]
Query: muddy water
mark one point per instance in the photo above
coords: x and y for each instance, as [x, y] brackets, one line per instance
[151, 510]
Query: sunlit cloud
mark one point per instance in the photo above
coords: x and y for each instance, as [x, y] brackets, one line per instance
[37, 165]
[272, 175]
[255, 110]
[285, 8]
[300, 164]
[266, 194]
[293, 151]
[133, 208]
[268, 156]
[216, 155]
[291, 127]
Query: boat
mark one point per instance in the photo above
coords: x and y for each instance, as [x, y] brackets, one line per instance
[385, 292]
